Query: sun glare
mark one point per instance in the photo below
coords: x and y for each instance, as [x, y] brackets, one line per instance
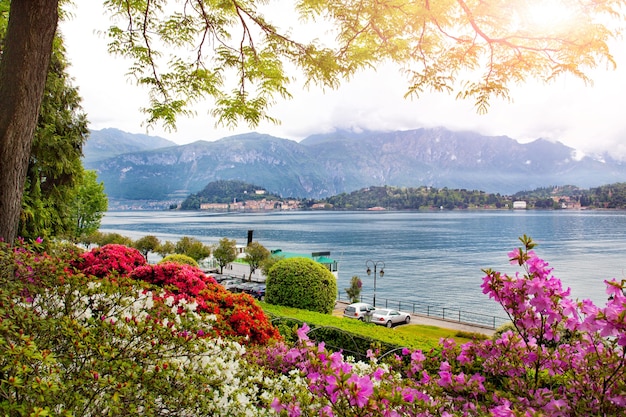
[544, 15]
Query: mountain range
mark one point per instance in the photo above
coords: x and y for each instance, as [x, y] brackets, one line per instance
[141, 167]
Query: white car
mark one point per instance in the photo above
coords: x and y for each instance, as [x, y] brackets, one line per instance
[358, 311]
[387, 317]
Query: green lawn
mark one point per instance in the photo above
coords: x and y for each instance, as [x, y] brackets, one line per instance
[413, 336]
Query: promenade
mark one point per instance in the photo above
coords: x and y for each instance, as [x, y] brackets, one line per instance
[430, 321]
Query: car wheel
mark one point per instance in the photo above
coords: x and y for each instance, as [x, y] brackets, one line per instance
[389, 324]
[360, 318]
[407, 320]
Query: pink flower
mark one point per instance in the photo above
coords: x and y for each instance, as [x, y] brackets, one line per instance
[362, 387]
[302, 333]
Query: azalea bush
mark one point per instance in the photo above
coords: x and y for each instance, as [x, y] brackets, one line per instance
[237, 316]
[104, 260]
[83, 347]
[176, 277]
[562, 358]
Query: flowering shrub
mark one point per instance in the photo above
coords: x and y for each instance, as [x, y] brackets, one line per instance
[237, 315]
[563, 358]
[102, 261]
[179, 278]
[88, 348]
[354, 290]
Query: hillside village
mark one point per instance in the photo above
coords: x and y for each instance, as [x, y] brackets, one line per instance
[253, 205]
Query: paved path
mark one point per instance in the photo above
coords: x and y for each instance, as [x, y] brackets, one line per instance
[430, 321]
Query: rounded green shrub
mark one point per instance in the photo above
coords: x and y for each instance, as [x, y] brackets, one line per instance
[301, 283]
[179, 259]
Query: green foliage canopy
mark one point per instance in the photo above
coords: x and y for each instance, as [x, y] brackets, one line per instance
[415, 198]
[88, 205]
[179, 259]
[256, 254]
[225, 252]
[240, 57]
[192, 247]
[55, 168]
[301, 283]
[225, 192]
[147, 244]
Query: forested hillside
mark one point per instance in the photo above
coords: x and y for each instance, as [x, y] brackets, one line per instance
[408, 198]
[226, 191]
[606, 196]
[611, 196]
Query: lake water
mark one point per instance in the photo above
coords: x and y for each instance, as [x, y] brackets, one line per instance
[433, 258]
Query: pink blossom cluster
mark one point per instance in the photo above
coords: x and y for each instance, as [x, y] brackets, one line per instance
[179, 278]
[561, 358]
[102, 261]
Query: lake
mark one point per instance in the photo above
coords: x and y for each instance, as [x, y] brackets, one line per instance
[432, 258]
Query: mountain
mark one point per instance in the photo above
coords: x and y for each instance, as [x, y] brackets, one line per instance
[329, 164]
[108, 143]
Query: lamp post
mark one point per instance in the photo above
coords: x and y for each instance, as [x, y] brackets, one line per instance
[374, 264]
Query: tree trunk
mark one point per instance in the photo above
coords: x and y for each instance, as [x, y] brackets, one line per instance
[23, 69]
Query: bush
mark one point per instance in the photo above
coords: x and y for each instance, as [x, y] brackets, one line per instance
[75, 345]
[237, 316]
[179, 259]
[301, 283]
[102, 261]
[192, 247]
[178, 278]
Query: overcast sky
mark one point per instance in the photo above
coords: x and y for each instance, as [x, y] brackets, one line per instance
[587, 118]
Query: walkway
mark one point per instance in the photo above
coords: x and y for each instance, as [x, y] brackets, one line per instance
[430, 321]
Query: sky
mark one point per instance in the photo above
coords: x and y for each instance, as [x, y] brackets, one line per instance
[590, 119]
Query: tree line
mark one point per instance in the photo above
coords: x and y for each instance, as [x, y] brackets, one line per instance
[610, 196]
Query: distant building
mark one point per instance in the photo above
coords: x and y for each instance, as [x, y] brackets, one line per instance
[213, 206]
[519, 205]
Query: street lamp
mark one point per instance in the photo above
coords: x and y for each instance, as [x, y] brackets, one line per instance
[374, 264]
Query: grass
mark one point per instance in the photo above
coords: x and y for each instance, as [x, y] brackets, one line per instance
[413, 336]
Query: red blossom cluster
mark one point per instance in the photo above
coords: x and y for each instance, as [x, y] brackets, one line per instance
[107, 259]
[178, 278]
[238, 316]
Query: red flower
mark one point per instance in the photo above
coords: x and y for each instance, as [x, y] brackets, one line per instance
[106, 259]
